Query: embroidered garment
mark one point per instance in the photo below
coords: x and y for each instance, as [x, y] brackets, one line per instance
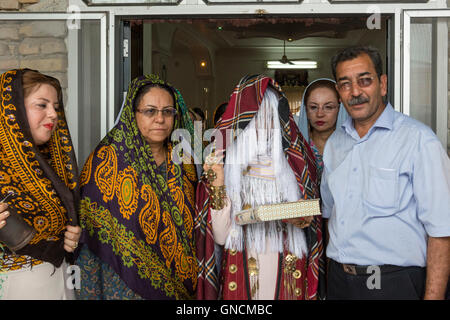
[243, 105]
[43, 178]
[112, 287]
[135, 219]
[319, 159]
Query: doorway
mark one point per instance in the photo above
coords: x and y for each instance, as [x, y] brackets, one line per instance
[205, 58]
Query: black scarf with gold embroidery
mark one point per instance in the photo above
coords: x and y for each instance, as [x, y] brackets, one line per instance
[43, 178]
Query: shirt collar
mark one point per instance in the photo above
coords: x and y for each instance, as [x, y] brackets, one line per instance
[385, 120]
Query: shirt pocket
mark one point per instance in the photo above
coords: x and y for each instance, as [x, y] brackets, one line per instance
[381, 190]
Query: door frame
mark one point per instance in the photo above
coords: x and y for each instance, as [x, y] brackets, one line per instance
[199, 8]
[72, 62]
[440, 92]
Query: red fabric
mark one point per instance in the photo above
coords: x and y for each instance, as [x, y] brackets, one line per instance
[243, 105]
[239, 277]
[207, 282]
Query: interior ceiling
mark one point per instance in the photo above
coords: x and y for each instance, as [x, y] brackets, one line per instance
[294, 29]
[270, 33]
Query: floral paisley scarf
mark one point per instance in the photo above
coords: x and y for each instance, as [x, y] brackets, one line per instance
[242, 107]
[43, 178]
[134, 218]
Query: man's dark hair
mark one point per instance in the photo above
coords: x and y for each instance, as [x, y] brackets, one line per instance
[354, 52]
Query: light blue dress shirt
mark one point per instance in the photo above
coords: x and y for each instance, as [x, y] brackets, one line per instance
[386, 192]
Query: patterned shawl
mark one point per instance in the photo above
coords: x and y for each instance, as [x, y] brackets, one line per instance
[43, 178]
[132, 217]
[243, 105]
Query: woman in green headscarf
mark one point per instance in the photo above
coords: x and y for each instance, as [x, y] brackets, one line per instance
[137, 203]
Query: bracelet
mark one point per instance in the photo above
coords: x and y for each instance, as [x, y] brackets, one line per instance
[217, 197]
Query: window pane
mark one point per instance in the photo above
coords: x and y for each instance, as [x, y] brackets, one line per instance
[429, 74]
[53, 48]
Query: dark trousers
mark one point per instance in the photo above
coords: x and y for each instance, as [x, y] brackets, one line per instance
[406, 283]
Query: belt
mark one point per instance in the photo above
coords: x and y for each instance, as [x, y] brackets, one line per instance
[368, 270]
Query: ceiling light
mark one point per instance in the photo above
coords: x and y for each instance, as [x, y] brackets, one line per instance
[296, 64]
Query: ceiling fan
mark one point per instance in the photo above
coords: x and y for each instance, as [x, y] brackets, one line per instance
[284, 59]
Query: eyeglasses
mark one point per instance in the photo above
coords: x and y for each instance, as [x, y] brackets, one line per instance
[152, 112]
[325, 109]
[363, 82]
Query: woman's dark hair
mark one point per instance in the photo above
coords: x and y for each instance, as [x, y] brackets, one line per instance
[354, 52]
[320, 84]
[199, 112]
[142, 91]
[219, 112]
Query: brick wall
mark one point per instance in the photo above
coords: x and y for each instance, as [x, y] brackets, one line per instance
[34, 5]
[39, 45]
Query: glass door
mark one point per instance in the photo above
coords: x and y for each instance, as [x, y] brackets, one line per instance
[425, 69]
[73, 49]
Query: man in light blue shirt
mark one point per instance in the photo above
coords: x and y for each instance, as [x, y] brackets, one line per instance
[386, 192]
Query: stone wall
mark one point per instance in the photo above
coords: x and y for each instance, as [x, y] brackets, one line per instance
[34, 5]
[39, 45]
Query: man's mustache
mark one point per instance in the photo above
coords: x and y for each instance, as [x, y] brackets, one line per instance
[357, 100]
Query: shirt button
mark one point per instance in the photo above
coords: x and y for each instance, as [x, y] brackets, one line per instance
[350, 196]
[355, 169]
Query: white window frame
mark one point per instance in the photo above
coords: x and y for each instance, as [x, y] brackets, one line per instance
[441, 90]
[198, 8]
[72, 58]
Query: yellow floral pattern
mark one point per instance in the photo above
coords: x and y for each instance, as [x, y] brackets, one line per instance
[106, 172]
[127, 192]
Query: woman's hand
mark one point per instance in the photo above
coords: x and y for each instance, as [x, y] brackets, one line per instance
[301, 222]
[214, 164]
[4, 213]
[218, 170]
[71, 237]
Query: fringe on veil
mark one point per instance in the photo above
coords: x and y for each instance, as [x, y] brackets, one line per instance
[261, 140]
